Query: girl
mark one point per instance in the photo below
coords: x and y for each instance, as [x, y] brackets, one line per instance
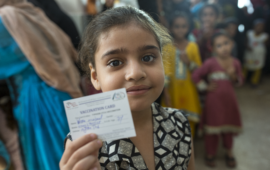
[36, 59]
[123, 49]
[255, 55]
[221, 115]
[209, 17]
[181, 59]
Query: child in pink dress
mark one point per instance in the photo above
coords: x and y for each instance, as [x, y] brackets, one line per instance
[221, 116]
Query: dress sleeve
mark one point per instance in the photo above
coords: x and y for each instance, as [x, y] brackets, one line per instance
[195, 57]
[199, 75]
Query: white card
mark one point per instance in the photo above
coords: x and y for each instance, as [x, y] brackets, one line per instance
[106, 114]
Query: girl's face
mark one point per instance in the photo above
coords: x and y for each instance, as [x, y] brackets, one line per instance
[129, 57]
[231, 29]
[259, 28]
[209, 17]
[180, 28]
[223, 46]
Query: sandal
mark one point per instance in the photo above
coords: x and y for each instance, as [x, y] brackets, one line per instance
[210, 162]
[230, 161]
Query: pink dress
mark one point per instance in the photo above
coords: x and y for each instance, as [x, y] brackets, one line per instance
[221, 113]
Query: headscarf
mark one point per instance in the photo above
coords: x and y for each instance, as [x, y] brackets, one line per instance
[46, 47]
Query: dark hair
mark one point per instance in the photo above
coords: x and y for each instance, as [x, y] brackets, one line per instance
[258, 21]
[218, 34]
[213, 6]
[179, 15]
[120, 16]
[230, 20]
[226, 23]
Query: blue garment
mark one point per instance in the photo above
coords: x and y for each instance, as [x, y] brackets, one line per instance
[38, 107]
[195, 10]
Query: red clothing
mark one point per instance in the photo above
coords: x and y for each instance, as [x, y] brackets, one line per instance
[221, 113]
[211, 142]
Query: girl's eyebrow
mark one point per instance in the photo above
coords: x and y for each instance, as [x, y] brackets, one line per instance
[123, 50]
[114, 51]
[148, 47]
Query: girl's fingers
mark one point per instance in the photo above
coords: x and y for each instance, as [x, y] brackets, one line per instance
[88, 149]
[89, 162]
[71, 147]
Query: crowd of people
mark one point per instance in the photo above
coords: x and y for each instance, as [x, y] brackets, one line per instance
[207, 48]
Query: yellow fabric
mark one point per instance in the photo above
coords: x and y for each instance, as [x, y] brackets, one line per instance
[183, 93]
[255, 77]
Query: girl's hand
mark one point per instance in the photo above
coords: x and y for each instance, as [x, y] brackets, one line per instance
[81, 154]
[212, 86]
[231, 71]
[184, 58]
[232, 74]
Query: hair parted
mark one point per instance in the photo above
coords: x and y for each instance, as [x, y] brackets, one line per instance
[179, 15]
[120, 16]
[215, 8]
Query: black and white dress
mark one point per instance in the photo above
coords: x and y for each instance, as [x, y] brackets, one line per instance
[172, 145]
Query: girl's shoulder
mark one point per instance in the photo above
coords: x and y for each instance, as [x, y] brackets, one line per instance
[210, 61]
[192, 45]
[236, 62]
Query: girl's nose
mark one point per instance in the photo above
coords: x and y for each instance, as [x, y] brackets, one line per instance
[135, 71]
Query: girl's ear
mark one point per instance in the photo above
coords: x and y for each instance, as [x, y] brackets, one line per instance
[94, 77]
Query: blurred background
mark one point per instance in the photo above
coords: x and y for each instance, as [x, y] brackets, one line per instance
[246, 21]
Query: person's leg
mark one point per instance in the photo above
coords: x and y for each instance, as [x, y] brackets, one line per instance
[256, 77]
[245, 72]
[227, 139]
[211, 144]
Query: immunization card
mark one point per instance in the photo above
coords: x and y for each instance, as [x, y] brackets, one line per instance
[106, 114]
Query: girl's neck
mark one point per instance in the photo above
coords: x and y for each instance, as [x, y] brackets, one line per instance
[181, 44]
[142, 118]
[223, 58]
[180, 41]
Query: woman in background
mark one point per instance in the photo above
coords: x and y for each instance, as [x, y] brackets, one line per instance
[209, 16]
[37, 62]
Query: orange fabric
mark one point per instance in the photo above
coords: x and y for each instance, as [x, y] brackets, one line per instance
[47, 48]
[91, 7]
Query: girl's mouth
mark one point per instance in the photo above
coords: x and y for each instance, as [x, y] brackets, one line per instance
[138, 90]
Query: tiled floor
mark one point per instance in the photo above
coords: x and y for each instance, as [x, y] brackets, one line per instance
[252, 147]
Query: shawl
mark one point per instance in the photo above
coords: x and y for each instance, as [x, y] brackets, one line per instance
[45, 45]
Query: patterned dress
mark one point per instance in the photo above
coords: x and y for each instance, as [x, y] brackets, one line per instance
[172, 145]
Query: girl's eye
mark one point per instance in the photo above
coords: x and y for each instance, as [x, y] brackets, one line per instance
[115, 63]
[148, 58]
